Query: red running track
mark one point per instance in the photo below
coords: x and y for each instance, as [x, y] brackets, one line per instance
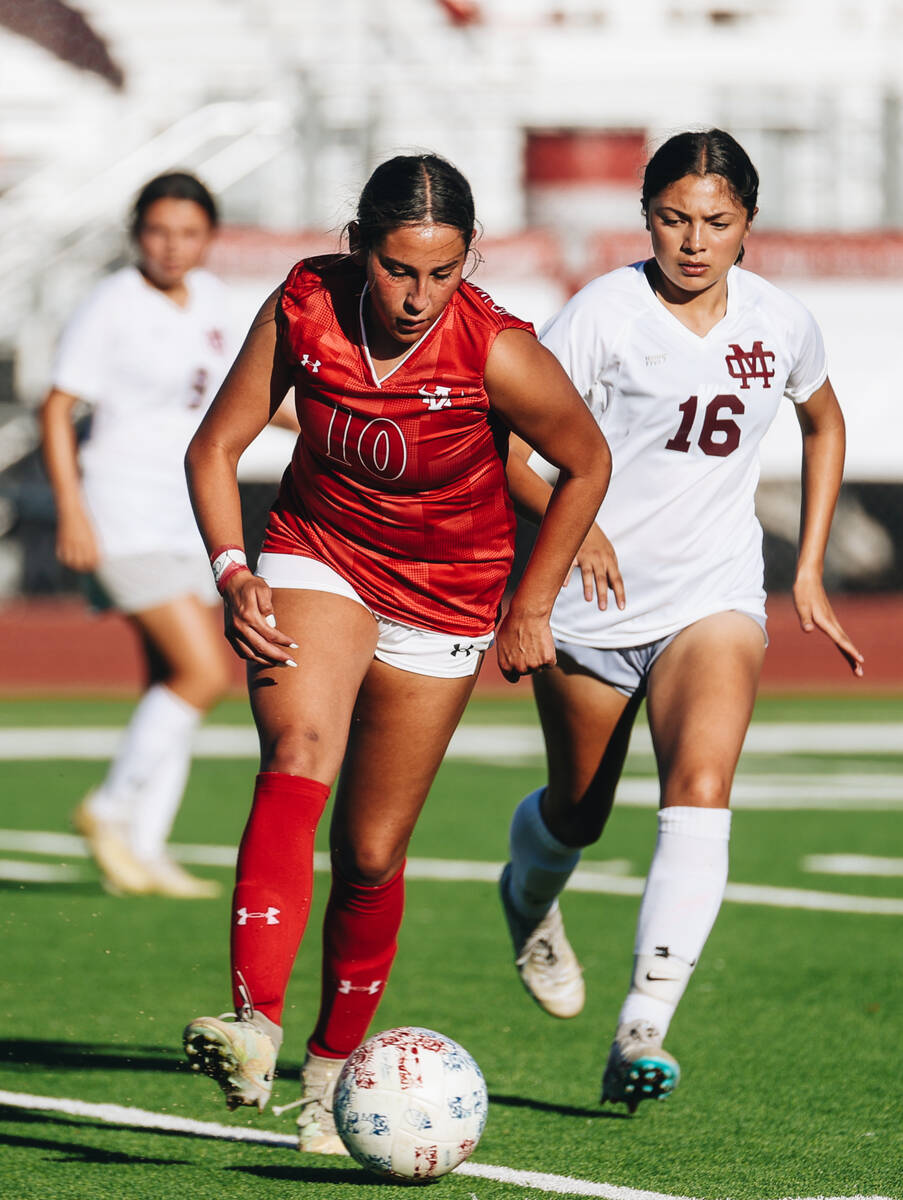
[59, 647]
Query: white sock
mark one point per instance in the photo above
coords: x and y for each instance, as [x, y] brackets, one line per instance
[144, 784]
[540, 864]
[683, 894]
[153, 819]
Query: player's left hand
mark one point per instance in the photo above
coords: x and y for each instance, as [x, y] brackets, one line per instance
[815, 612]
[523, 644]
[598, 566]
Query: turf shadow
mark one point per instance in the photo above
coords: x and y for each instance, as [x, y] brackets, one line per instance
[70, 1152]
[78, 1056]
[351, 1174]
[564, 1110]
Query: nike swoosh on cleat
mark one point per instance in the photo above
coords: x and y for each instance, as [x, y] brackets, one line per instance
[661, 978]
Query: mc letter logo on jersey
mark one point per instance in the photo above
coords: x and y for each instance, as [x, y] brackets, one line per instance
[750, 364]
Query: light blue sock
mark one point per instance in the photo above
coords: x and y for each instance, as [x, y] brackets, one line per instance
[540, 864]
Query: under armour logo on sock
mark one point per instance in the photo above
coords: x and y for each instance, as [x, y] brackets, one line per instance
[243, 916]
[346, 987]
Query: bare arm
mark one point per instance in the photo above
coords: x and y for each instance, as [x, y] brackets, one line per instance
[824, 443]
[76, 543]
[250, 394]
[285, 416]
[528, 387]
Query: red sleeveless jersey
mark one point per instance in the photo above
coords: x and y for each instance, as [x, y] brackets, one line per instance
[399, 484]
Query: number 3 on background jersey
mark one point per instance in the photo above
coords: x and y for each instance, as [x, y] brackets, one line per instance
[726, 429]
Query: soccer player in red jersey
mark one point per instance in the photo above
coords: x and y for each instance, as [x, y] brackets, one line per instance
[377, 590]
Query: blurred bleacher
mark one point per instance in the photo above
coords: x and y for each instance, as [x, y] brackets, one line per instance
[284, 106]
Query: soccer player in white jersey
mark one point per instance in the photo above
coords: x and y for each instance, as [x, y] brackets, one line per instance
[683, 360]
[146, 352]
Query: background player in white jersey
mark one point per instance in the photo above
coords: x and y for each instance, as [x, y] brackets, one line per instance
[146, 350]
[683, 360]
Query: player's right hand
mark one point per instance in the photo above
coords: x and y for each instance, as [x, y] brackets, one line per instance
[250, 623]
[76, 543]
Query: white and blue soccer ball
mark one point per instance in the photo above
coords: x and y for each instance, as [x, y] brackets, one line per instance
[410, 1104]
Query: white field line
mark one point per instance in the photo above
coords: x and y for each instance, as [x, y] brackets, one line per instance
[852, 864]
[483, 742]
[605, 878]
[843, 790]
[18, 871]
[139, 1118]
[839, 791]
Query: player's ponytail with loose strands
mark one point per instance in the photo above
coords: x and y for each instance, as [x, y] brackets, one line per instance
[412, 189]
[711, 153]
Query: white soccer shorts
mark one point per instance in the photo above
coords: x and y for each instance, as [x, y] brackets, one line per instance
[420, 651]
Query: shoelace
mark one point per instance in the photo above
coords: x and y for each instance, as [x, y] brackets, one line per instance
[538, 948]
[315, 1093]
[247, 1008]
[303, 1101]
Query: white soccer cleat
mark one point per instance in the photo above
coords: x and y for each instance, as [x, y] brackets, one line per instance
[238, 1054]
[316, 1125]
[547, 965]
[123, 873]
[169, 878]
[638, 1068]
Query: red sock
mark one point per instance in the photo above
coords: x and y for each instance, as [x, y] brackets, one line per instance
[360, 933]
[274, 883]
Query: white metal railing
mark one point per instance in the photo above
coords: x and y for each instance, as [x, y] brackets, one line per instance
[49, 215]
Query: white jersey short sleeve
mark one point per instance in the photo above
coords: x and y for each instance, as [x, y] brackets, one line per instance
[684, 416]
[148, 369]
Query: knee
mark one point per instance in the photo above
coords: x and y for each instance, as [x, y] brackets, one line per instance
[575, 820]
[703, 787]
[369, 866]
[298, 750]
[203, 683]
[215, 684]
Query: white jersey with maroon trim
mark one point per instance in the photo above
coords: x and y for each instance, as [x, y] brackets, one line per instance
[148, 369]
[684, 416]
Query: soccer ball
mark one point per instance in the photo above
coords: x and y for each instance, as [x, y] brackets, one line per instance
[410, 1104]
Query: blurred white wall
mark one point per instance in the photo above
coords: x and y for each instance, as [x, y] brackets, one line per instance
[284, 106]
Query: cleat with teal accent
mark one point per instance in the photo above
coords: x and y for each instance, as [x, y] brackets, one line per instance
[638, 1068]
